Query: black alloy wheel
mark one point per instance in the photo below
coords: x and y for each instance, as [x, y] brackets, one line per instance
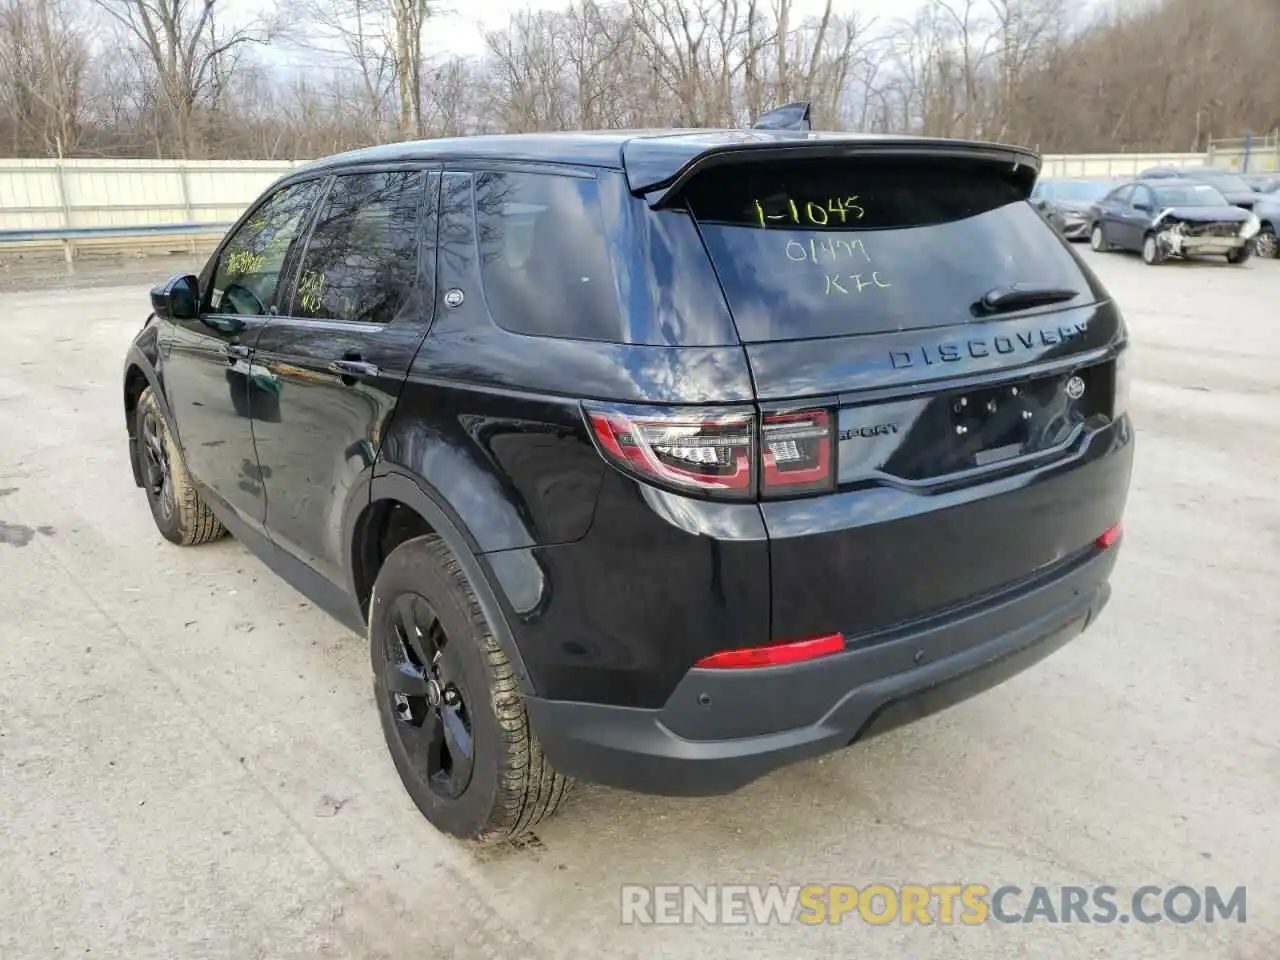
[424, 679]
[158, 472]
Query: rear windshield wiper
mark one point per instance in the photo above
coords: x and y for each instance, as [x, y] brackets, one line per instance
[1018, 296]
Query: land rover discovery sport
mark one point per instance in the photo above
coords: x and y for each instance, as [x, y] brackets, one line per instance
[661, 460]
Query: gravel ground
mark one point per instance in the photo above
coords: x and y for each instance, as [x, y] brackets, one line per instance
[191, 766]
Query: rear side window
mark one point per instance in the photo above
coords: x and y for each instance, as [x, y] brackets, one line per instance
[811, 249]
[362, 259]
[544, 259]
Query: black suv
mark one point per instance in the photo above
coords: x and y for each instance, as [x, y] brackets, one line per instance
[660, 460]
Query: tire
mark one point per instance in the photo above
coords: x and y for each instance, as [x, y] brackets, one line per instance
[1265, 244]
[181, 516]
[457, 689]
[1098, 239]
[1241, 255]
[1152, 255]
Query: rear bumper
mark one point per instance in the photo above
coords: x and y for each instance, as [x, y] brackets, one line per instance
[721, 729]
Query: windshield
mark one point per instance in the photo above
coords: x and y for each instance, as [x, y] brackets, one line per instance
[1226, 182]
[1195, 195]
[829, 248]
[1082, 191]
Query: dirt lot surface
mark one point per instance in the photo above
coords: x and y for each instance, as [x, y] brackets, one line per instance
[191, 766]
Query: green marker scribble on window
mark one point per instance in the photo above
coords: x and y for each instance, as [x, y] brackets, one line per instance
[311, 291]
[244, 261]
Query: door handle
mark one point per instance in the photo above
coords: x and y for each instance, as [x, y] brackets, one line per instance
[353, 370]
[238, 351]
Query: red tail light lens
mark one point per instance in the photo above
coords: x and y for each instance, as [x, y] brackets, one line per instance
[796, 452]
[775, 654]
[707, 451]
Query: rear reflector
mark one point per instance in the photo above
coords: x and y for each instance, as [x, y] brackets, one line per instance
[774, 655]
[1109, 538]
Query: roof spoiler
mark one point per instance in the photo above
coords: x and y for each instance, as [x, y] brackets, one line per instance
[793, 116]
[659, 167]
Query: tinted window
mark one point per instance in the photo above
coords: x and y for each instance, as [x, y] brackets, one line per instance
[248, 270]
[1194, 195]
[544, 258]
[362, 259]
[1225, 181]
[1122, 195]
[818, 249]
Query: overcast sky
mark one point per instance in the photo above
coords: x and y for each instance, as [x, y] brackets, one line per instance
[461, 28]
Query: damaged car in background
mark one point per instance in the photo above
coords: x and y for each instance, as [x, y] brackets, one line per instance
[1167, 218]
[1068, 203]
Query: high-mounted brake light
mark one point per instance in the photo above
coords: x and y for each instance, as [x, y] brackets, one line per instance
[775, 654]
[701, 450]
[795, 450]
[1110, 538]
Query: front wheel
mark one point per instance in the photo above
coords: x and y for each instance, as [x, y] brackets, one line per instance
[1151, 252]
[1098, 239]
[450, 704]
[181, 516]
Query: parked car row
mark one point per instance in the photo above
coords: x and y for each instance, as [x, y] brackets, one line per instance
[1168, 212]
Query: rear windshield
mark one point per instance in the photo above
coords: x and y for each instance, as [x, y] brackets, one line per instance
[829, 248]
[1084, 191]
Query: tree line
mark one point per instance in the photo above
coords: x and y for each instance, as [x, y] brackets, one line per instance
[197, 79]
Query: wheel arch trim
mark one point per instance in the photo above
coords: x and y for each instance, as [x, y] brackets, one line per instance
[390, 483]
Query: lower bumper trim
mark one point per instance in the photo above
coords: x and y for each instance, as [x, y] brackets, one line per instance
[635, 750]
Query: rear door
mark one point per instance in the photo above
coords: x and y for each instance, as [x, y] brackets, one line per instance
[336, 357]
[959, 353]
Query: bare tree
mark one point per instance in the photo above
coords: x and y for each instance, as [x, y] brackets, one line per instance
[182, 44]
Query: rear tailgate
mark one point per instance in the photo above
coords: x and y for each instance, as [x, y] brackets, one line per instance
[966, 357]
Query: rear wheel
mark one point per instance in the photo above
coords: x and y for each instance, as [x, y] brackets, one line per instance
[450, 704]
[1098, 239]
[1151, 252]
[1240, 254]
[181, 516]
[1265, 244]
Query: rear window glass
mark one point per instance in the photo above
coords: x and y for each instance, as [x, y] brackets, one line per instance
[544, 258]
[830, 248]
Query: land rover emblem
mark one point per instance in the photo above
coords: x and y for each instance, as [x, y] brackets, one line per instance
[1075, 388]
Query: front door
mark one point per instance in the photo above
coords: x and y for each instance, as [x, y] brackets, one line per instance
[208, 363]
[338, 354]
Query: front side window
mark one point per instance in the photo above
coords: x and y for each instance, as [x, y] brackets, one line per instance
[544, 258]
[248, 271]
[361, 262]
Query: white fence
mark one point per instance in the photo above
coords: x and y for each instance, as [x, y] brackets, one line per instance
[44, 194]
[36, 194]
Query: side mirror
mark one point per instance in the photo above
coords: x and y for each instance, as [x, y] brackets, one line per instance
[178, 298]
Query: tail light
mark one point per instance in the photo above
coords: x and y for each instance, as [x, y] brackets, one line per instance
[1109, 538]
[716, 451]
[704, 451]
[796, 452]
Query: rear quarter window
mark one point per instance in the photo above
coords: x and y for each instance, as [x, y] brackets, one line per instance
[830, 248]
[544, 260]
